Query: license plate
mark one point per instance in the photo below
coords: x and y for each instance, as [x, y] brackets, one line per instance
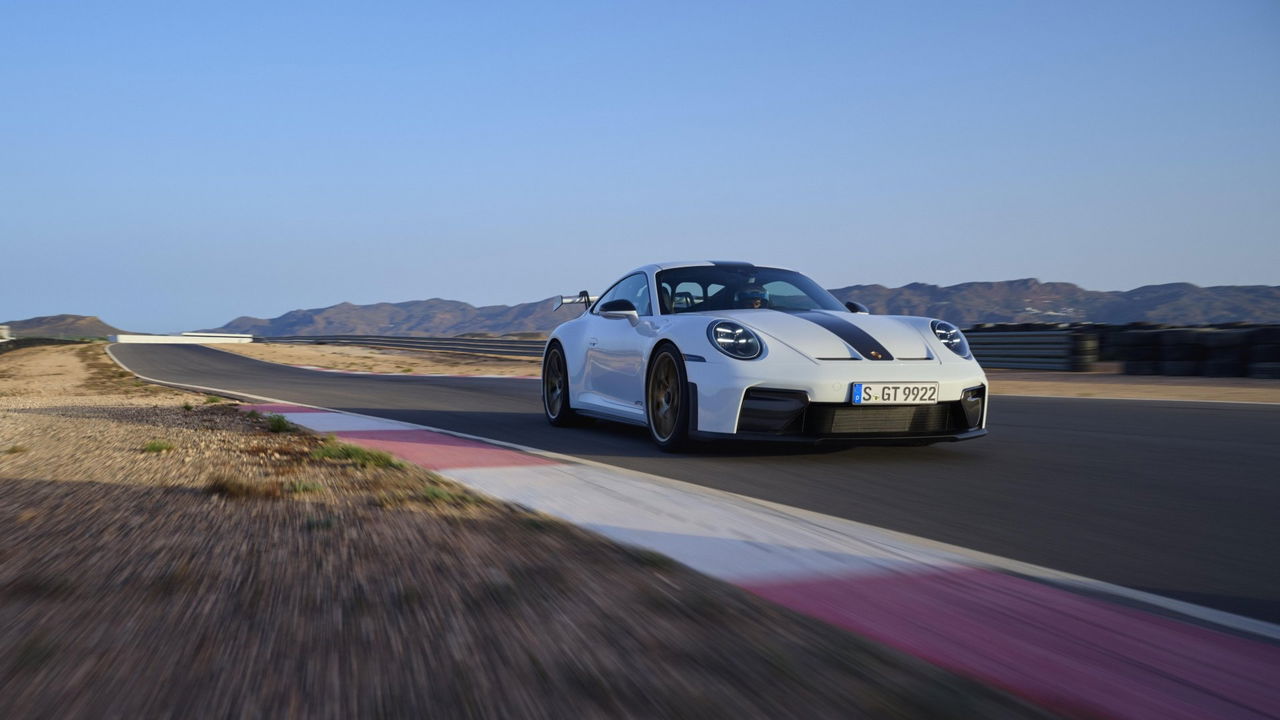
[895, 393]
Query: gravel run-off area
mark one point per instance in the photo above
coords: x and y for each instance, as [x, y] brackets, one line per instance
[164, 555]
[385, 360]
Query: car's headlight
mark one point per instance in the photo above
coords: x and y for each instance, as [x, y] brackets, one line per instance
[951, 336]
[734, 340]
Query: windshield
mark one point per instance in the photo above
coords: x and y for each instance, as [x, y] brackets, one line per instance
[722, 287]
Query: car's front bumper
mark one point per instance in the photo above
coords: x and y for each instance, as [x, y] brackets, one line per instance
[812, 401]
[889, 439]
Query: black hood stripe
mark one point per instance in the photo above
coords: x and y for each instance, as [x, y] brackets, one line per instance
[857, 338]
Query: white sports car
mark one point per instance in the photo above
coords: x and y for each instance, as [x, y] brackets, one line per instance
[700, 350]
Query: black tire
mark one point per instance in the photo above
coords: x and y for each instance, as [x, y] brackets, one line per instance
[1141, 353]
[1183, 353]
[1233, 339]
[1264, 354]
[1181, 367]
[1265, 336]
[555, 388]
[1141, 367]
[667, 401]
[1268, 370]
[1224, 368]
[1231, 353]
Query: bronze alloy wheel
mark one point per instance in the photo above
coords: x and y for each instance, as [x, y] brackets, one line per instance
[554, 384]
[665, 397]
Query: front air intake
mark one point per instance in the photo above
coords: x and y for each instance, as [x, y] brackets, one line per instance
[947, 417]
[775, 412]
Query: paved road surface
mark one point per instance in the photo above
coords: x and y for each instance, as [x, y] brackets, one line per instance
[1178, 499]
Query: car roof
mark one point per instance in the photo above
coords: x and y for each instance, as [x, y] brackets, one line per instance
[658, 267]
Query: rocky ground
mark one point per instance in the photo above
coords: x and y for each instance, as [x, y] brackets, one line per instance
[1107, 382]
[163, 555]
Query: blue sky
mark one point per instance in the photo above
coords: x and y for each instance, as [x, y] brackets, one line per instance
[172, 165]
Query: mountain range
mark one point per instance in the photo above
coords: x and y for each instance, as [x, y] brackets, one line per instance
[434, 317]
[1030, 300]
[62, 326]
[967, 304]
[1026, 300]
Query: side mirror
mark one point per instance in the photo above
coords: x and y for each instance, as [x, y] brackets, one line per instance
[857, 307]
[619, 310]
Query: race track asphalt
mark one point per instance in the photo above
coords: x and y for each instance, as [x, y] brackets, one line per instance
[1175, 498]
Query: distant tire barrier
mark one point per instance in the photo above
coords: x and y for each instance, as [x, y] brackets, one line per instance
[1067, 350]
[1208, 352]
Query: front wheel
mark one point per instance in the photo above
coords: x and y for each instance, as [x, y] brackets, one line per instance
[555, 388]
[667, 401]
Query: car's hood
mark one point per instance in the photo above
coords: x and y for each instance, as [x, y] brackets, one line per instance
[821, 334]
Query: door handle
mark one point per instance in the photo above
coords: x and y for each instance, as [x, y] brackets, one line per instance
[592, 342]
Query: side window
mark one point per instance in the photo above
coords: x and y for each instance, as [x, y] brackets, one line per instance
[688, 295]
[634, 288]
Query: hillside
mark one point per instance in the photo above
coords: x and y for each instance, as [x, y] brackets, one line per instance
[62, 326]
[1030, 300]
[434, 317]
[1027, 300]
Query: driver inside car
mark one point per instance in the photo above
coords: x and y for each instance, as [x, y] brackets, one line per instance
[752, 297]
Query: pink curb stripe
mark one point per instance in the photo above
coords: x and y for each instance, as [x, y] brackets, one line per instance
[280, 409]
[1071, 654]
[436, 451]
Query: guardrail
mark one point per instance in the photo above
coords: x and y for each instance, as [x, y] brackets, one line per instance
[1067, 350]
[478, 346]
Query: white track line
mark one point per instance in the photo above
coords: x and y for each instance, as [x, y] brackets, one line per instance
[1237, 623]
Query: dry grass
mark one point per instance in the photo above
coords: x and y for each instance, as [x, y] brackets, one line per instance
[354, 454]
[239, 486]
[104, 376]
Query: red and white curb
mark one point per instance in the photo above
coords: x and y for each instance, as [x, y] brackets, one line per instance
[1012, 625]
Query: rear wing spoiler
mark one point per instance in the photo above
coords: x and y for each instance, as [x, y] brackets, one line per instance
[583, 298]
